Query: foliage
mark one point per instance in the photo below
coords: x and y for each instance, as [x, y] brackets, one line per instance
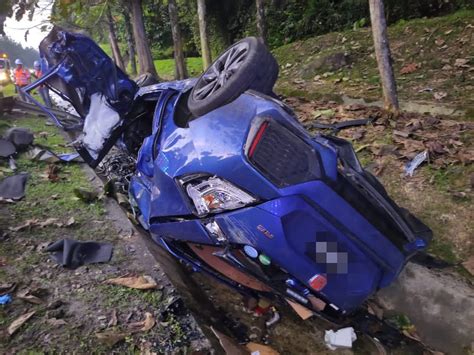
[15, 50]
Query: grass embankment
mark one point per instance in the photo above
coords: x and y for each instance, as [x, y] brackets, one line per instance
[436, 49]
[75, 303]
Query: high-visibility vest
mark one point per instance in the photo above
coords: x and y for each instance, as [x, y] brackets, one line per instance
[22, 77]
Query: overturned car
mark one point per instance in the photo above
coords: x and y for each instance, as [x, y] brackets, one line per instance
[227, 180]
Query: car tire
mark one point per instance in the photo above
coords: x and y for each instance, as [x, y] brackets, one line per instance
[245, 65]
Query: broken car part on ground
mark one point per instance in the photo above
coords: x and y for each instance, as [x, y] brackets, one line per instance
[231, 184]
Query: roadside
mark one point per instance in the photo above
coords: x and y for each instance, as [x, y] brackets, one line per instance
[74, 305]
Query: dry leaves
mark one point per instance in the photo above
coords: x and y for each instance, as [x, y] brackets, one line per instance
[440, 95]
[469, 265]
[113, 319]
[409, 68]
[144, 282]
[17, 323]
[461, 63]
[29, 296]
[143, 326]
[30, 223]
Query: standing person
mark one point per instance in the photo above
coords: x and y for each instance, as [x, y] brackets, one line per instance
[42, 89]
[22, 78]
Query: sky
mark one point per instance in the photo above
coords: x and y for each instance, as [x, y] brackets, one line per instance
[16, 29]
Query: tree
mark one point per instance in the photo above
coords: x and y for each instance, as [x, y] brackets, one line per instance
[180, 64]
[205, 51]
[113, 41]
[125, 9]
[260, 20]
[145, 59]
[382, 52]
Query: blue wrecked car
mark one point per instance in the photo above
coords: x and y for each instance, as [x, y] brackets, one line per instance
[227, 180]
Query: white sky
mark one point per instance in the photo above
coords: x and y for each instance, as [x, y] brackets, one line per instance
[16, 29]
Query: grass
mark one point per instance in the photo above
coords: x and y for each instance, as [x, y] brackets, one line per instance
[430, 43]
[165, 67]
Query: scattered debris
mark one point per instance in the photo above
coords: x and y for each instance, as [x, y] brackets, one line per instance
[415, 163]
[7, 148]
[113, 319]
[17, 323]
[144, 282]
[72, 253]
[13, 187]
[20, 137]
[41, 154]
[342, 338]
[274, 319]
[461, 63]
[4, 299]
[302, 311]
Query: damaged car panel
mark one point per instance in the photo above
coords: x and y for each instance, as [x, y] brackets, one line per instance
[225, 173]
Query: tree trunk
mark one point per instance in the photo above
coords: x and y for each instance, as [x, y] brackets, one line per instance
[261, 25]
[117, 56]
[384, 58]
[206, 53]
[180, 64]
[130, 43]
[145, 60]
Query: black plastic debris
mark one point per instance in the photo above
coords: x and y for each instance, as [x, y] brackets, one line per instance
[72, 253]
[13, 187]
[7, 148]
[20, 137]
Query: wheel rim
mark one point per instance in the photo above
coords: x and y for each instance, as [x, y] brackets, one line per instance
[219, 73]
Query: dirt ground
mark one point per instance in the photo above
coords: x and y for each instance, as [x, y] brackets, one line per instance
[74, 305]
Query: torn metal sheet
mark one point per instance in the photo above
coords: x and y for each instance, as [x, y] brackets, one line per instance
[39, 154]
[13, 187]
[72, 253]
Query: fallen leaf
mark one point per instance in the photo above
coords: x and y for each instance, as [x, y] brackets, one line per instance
[439, 42]
[113, 319]
[261, 349]
[25, 295]
[469, 265]
[461, 63]
[56, 322]
[440, 95]
[110, 338]
[143, 326]
[447, 67]
[70, 222]
[7, 288]
[229, 345]
[17, 323]
[409, 68]
[144, 282]
[52, 173]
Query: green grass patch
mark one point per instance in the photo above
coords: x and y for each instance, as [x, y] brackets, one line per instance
[166, 67]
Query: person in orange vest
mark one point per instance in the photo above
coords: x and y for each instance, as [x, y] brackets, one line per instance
[22, 78]
[42, 89]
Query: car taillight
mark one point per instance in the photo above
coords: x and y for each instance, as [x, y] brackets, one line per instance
[213, 195]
